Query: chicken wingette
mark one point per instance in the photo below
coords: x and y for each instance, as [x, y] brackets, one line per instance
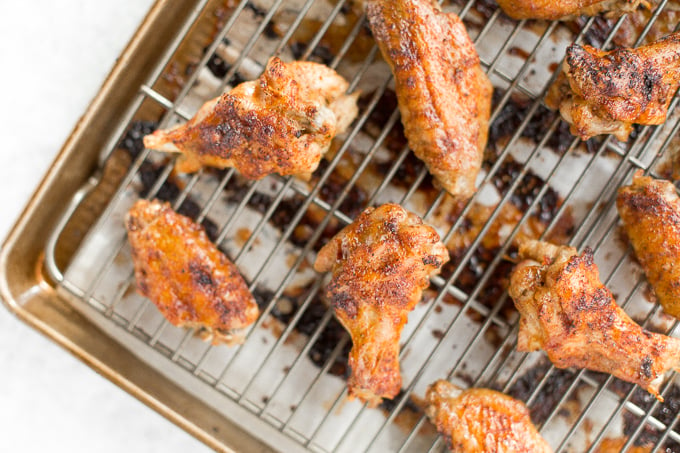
[380, 264]
[444, 95]
[282, 123]
[566, 311]
[554, 10]
[650, 210]
[482, 420]
[190, 281]
[601, 92]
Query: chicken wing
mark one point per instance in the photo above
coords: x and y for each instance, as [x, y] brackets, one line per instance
[190, 281]
[444, 95]
[281, 123]
[566, 311]
[601, 92]
[650, 210]
[554, 10]
[481, 420]
[381, 263]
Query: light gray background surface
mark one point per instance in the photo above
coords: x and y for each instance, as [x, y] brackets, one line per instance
[54, 56]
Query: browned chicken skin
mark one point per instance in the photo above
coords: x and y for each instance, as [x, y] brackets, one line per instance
[481, 421]
[444, 95]
[281, 123]
[650, 210]
[566, 311]
[602, 92]
[190, 281]
[554, 10]
[381, 263]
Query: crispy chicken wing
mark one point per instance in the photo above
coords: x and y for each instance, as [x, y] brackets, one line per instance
[601, 92]
[381, 263]
[566, 311]
[190, 281]
[554, 10]
[281, 123]
[481, 420]
[444, 95]
[650, 210]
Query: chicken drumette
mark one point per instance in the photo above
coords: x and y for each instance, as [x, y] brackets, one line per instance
[190, 281]
[444, 95]
[281, 123]
[601, 92]
[566, 311]
[481, 420]
[381, 263]
[554, 10]
[650, 210]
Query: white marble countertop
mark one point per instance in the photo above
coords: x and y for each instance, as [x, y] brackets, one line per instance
[55, 56]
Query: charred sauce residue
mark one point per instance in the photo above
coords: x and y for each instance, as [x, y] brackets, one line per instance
[150, 172]
[665, 412]
[553, 390]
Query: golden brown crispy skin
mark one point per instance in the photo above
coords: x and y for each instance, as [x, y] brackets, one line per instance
[566, 311]
[607, 92]
[444, 95]
[554, 10]
[650, 210]
[381, 263]
[281, 123]
[481, 420]
[191, 282]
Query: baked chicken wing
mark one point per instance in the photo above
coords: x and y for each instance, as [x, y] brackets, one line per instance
[380, 265]
[190, 281]
[444, 95]
[481, 420]
[554, 10]
[566, 311]
[281, 123]
[650, 210]
[601, 92]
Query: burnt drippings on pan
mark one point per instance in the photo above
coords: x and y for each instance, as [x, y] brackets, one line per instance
[353, 203]
[490, 245]
[220, 68]
[132, 140]
[170, 191]
[665, 412]
[150, 172]
[631, 27]
[329, 337]
[410, 168]
[511, 116]
[485, 8]
[548, 398]
[412, 411]
[334, 38]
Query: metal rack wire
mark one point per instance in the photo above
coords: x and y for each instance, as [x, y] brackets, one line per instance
[502, 367]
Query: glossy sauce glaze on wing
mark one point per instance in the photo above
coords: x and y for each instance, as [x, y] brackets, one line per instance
[650, 210]
[444, 95]
[482, 420]
[554, 10]
[566, 311]
[190, 281]
[282, 123]
[380, 265]
[601, 92]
